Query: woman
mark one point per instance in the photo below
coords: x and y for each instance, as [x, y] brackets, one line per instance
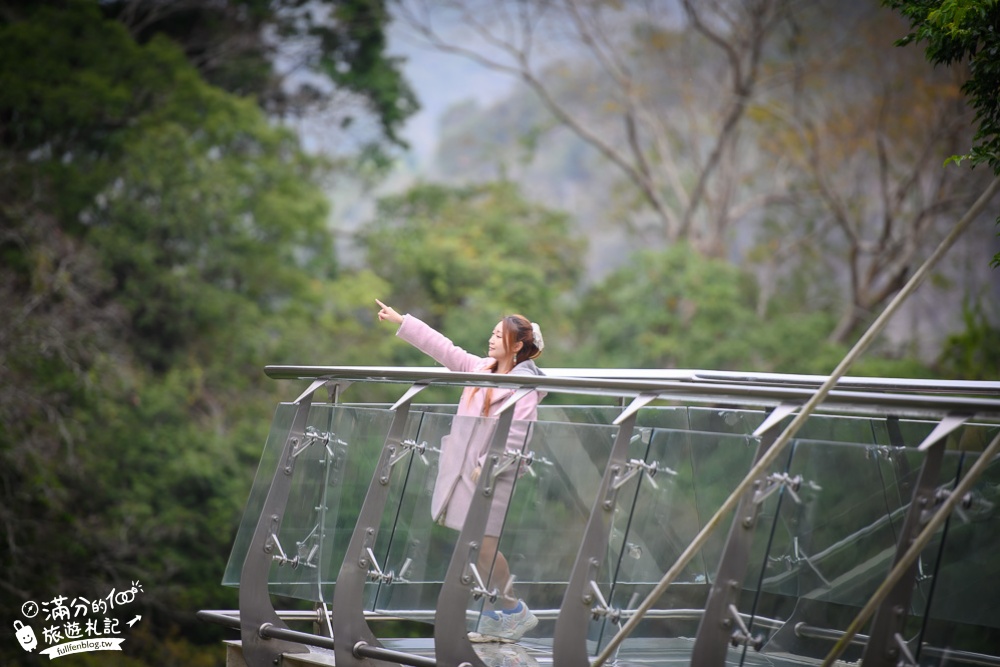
[513, 345]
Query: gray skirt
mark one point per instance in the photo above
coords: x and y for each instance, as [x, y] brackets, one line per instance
[461, 498]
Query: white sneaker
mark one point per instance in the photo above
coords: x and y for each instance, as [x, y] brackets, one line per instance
[504, 626]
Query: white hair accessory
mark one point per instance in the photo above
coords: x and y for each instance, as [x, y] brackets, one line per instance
[536, 331]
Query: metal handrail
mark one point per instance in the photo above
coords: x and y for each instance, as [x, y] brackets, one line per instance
[695, 387]
[966, 387]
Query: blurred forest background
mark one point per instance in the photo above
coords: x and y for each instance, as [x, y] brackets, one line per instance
[193, 190]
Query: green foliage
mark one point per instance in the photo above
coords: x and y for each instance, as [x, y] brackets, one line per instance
[354, 58]
[964, 31]
[673, 309]
[213, 218]
[677, 309]
[973, 354]
[461, 258]
[345, 40]
[157, 238]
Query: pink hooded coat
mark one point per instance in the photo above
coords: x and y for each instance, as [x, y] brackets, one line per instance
[465, 448]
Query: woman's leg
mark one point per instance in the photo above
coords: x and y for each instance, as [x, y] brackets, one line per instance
[513, 618]
[489, 555]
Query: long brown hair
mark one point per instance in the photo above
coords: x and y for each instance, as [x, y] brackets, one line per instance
[516, 329]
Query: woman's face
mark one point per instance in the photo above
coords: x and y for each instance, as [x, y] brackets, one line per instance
[497, 348]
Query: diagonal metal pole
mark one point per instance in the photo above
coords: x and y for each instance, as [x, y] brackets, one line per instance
[921, 541]
[807, 409]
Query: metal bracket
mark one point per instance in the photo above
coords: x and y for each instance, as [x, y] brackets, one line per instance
[741, 635]
[782, 480]
[620, 477]
[405, 448]
[310, 437]
[375, 573]
[602, 609]
[944, 428]
[780, 411]
[510, 457]
[906, 658]
[410, 555]
[473, 576]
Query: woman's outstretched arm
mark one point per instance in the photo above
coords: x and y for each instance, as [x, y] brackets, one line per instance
[429, 341]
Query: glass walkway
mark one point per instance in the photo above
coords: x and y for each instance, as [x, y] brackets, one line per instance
[667, 518]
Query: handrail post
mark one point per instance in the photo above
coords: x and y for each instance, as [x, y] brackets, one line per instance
[451, 642]
[256, 610]
[890, 617]
[721, 620]
[350, 628]
[569, 641]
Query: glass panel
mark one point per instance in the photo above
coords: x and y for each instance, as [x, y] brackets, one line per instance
[657, 416]
[579, 414]
[857, 430]
[963, 589]
[696, 473]
[819, 550]
[550, 506]
[834, 541]
[833, 550]
[418, 550]
[330, 477]
[716, 420]
[675, 417]
[280, 426]
[548, 515]
[357, 480]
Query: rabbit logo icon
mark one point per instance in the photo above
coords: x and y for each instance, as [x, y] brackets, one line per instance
[26, 636]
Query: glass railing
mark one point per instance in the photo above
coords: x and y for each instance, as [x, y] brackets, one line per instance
[821, 531]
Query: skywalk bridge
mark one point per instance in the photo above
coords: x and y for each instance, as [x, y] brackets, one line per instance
[660, 518]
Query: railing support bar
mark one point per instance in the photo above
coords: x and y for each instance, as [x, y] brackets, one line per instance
[451, 642]
[569, 641]
[890, 618]
[715, 630]
[256, 609]
[349, 624]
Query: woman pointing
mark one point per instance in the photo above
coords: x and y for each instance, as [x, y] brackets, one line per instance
[513, 344]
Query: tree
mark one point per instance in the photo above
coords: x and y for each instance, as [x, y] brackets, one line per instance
[160, 241]
[964, 31]
[678, 309]
[867, 131]
[768, 142]
[649, 148]
[973, 354]
[463, 257]
[318, 58]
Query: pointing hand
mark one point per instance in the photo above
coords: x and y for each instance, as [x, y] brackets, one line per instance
[387, 313]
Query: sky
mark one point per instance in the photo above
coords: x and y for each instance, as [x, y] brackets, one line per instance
[440, 81]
